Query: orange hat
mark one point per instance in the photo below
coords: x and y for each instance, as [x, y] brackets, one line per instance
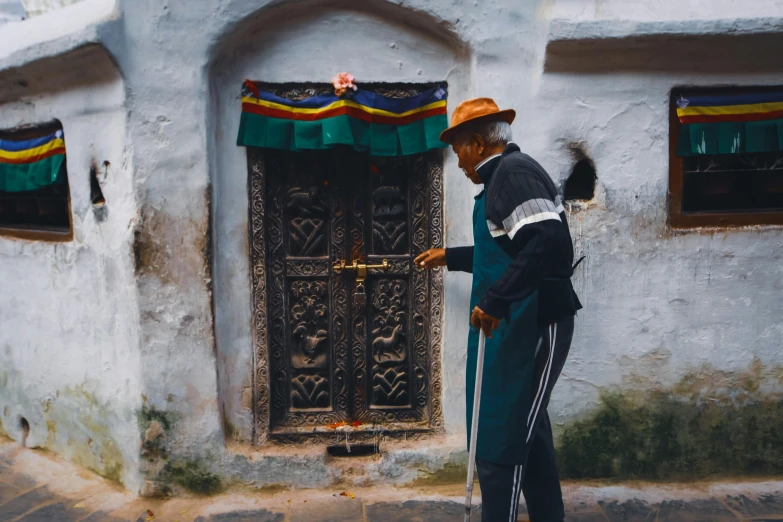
[475, 111]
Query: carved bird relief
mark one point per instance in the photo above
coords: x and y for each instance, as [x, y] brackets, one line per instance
[310, 342]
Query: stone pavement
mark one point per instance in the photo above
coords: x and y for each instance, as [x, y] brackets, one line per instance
[36, 486]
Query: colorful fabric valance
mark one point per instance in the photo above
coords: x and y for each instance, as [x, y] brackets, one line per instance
[730, 124]
[31, 164]
[366, 121]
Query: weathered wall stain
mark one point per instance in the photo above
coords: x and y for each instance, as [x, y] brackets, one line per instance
[39, 7]
[206, 251]
[171, 248]
[710, 424]
[578, 151]
[51, 433]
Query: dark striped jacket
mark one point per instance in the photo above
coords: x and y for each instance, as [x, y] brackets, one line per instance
[525, 215]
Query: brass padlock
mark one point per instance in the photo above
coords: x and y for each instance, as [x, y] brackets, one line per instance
[359, 296]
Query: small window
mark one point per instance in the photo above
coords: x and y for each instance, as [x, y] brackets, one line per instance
[580, 185]
[34, 196]
[726, 157]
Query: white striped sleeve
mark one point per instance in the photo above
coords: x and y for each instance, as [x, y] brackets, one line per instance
[531, 211]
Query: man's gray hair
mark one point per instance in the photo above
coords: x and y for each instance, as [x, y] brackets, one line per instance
[493, 132]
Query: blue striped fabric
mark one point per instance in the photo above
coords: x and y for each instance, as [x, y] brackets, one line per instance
[734, 99]
[16, 146]
[366, 98]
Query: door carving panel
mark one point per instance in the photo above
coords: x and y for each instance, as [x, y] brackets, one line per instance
[322, 358]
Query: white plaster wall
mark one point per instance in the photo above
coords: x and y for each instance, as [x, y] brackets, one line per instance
[664, 10]
[11, 11]
[69, 360]
[658, 303]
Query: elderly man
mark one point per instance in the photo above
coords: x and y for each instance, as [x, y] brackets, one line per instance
[522, 298]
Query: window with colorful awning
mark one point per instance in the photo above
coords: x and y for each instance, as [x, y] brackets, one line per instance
[31, 164]
[34, 193]
[741, 123]
[363, 120]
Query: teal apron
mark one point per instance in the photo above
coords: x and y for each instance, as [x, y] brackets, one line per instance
[506, 392]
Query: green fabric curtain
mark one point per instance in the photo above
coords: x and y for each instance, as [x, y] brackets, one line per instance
[730, 137]
[377, 139]
[31, 176]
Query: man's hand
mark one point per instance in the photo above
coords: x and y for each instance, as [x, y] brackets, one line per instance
[432, 258]
[484, 321]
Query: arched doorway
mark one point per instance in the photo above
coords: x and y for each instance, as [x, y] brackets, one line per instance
[303, 42]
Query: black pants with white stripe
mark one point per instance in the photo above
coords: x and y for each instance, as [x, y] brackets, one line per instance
[538, 479]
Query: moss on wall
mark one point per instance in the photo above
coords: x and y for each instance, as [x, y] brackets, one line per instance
[193, 476]
[73, 423]
[164, 471]
[89, 441]
[450, 473]
[711, 424]
[148, 413]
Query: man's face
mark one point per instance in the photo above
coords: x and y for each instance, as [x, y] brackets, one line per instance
[469, 151]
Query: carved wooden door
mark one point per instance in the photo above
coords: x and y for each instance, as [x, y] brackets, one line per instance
[331, 359]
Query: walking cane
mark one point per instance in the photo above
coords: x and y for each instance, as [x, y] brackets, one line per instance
[474, 424]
